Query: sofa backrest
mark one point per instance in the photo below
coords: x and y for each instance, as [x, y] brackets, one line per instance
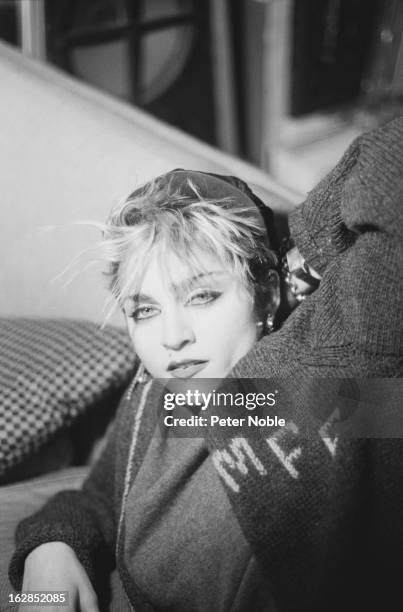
[67, 153]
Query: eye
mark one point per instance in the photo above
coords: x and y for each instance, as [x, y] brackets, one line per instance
[143, 312]
[202, 296]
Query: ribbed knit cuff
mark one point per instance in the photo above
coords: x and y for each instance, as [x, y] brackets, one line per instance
[318, 240]
[317, 226]
[354, 195]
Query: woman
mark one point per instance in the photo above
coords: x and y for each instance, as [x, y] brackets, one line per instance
[290, 527]
[193, 239]
[192, 269]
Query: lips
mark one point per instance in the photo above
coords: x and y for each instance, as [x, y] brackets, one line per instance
[186, 368]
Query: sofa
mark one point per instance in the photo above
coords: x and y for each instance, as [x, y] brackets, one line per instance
[61, 381]
[67, 153]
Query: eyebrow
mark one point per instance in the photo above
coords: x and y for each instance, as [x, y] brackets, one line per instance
[136, 298]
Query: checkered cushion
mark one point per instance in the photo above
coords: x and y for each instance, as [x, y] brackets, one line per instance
[52, 371]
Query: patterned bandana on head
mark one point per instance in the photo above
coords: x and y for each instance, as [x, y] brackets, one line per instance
[217, 186]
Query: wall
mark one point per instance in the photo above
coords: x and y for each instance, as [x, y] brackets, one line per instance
[67, 153]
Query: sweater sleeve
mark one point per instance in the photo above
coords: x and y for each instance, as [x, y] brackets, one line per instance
[350, 230]
[362, 193]
[82, 519]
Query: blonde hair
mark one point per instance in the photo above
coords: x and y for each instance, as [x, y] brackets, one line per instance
[163, 217]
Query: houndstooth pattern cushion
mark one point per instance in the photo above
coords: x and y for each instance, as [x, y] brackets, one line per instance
[52, 371]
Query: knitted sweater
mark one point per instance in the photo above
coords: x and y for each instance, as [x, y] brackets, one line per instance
[323, 518]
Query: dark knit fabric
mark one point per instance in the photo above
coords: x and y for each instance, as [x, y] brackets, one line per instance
[323, 537]
[178, 505]
[350, 230]
[324, 518]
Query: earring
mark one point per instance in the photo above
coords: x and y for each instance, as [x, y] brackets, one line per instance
[269, 323]
[142, 375]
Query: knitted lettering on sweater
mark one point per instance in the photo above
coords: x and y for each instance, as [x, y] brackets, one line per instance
[323, 519]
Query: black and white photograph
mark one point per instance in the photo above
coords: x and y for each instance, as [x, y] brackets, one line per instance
[201, 305]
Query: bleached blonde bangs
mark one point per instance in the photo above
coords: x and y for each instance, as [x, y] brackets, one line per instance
[164, 221]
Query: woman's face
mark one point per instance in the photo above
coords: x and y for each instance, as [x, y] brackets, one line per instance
[197, 325]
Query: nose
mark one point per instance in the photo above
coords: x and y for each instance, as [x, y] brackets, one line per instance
[177, 331]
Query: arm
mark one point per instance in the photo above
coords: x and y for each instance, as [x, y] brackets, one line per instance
[350, 231]
[319, 495]
[84, 520]
[363, 193]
